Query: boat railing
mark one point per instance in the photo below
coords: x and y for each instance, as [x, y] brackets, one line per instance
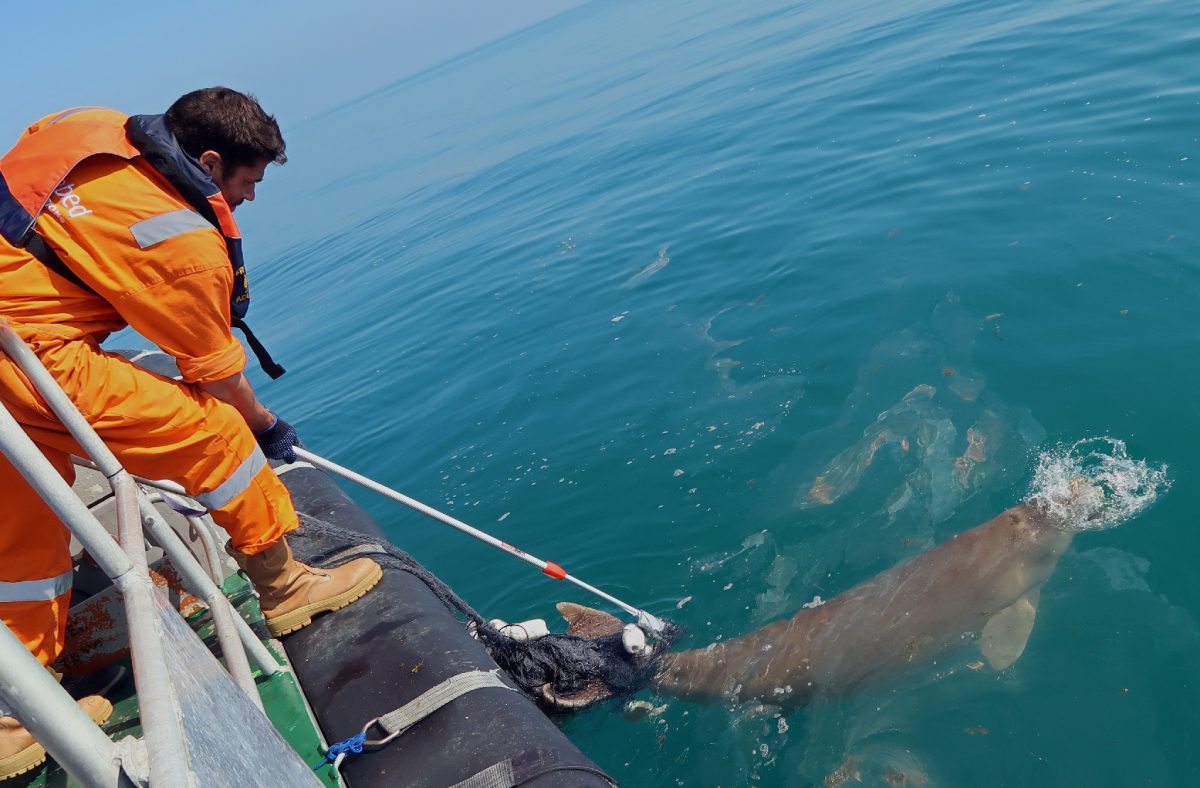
[234, 635]
[200, 726]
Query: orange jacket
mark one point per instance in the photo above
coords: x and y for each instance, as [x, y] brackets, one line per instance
[138, 251]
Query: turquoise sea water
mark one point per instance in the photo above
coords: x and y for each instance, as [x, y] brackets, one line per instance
[639, 288]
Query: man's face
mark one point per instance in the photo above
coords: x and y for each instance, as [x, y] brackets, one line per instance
[236, 183]
[239, 185]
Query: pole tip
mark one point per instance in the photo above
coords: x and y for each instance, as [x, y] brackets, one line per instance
[651, 622]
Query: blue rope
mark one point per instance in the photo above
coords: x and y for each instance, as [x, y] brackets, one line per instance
[351, 746]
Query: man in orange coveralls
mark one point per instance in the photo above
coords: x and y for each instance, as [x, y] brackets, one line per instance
[107, 221]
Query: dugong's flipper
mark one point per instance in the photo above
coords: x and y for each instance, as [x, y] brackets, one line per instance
[1006, 633]
[587, 622]
[594, 692]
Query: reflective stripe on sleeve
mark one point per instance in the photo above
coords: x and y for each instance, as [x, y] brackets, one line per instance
[36, 590]
[157, 229]
[232, 487]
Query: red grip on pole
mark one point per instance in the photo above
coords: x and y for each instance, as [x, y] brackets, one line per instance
[555, 571]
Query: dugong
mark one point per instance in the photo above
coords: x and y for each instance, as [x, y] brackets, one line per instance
[980, 584]
[983, 582]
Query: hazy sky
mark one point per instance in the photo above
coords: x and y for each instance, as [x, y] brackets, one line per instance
[299, 57]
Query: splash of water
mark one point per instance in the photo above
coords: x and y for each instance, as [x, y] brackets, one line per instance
[1094, 484]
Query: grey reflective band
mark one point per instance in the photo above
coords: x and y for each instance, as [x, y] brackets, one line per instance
[157, 229]
[236, 484]
[36, 590]
[69, 112]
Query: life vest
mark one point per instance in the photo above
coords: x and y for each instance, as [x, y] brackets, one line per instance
[47, 153]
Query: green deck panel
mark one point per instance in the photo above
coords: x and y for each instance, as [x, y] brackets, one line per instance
[281, 695]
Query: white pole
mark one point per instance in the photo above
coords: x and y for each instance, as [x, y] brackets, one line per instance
[548, 567]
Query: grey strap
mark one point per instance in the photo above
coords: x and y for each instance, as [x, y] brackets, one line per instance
[498, 775]
[530, 765]
[342, 556]
[398, 721]
[181, 505]
[508, 773]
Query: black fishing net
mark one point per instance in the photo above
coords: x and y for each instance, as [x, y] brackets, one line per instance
[549, 667]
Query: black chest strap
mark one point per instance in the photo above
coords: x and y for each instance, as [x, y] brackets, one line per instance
[41, 250]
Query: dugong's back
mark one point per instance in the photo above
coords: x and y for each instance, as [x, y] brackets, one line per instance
[907, 614]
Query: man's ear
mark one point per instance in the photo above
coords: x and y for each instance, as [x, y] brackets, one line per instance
[210, 160]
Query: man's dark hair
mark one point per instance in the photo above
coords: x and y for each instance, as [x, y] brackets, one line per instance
[228, 122]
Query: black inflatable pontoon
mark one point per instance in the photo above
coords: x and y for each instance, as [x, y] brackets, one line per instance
[391, 646]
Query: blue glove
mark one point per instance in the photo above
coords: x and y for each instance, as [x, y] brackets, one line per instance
[278, 440]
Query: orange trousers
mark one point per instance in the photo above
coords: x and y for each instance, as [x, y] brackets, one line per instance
[158, 428]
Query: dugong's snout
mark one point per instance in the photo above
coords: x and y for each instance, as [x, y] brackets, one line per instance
[1069, 506]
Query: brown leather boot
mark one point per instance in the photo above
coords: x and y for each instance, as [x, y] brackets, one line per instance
[291, 593]
[19, 752]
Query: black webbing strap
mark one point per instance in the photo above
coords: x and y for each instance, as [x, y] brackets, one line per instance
[47, 257]
[265, 361]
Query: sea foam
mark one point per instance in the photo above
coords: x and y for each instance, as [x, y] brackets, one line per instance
[1094, 484]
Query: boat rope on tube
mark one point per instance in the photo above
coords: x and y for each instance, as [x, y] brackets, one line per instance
[339, 750]
[647, 620]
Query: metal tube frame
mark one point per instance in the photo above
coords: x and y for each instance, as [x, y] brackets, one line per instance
[227, 636]
[54, 719]
[165, 741]
[159, 484]
[201, 533]
[196, 581]
[202, 586]
[159, 706]
[235, 636]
